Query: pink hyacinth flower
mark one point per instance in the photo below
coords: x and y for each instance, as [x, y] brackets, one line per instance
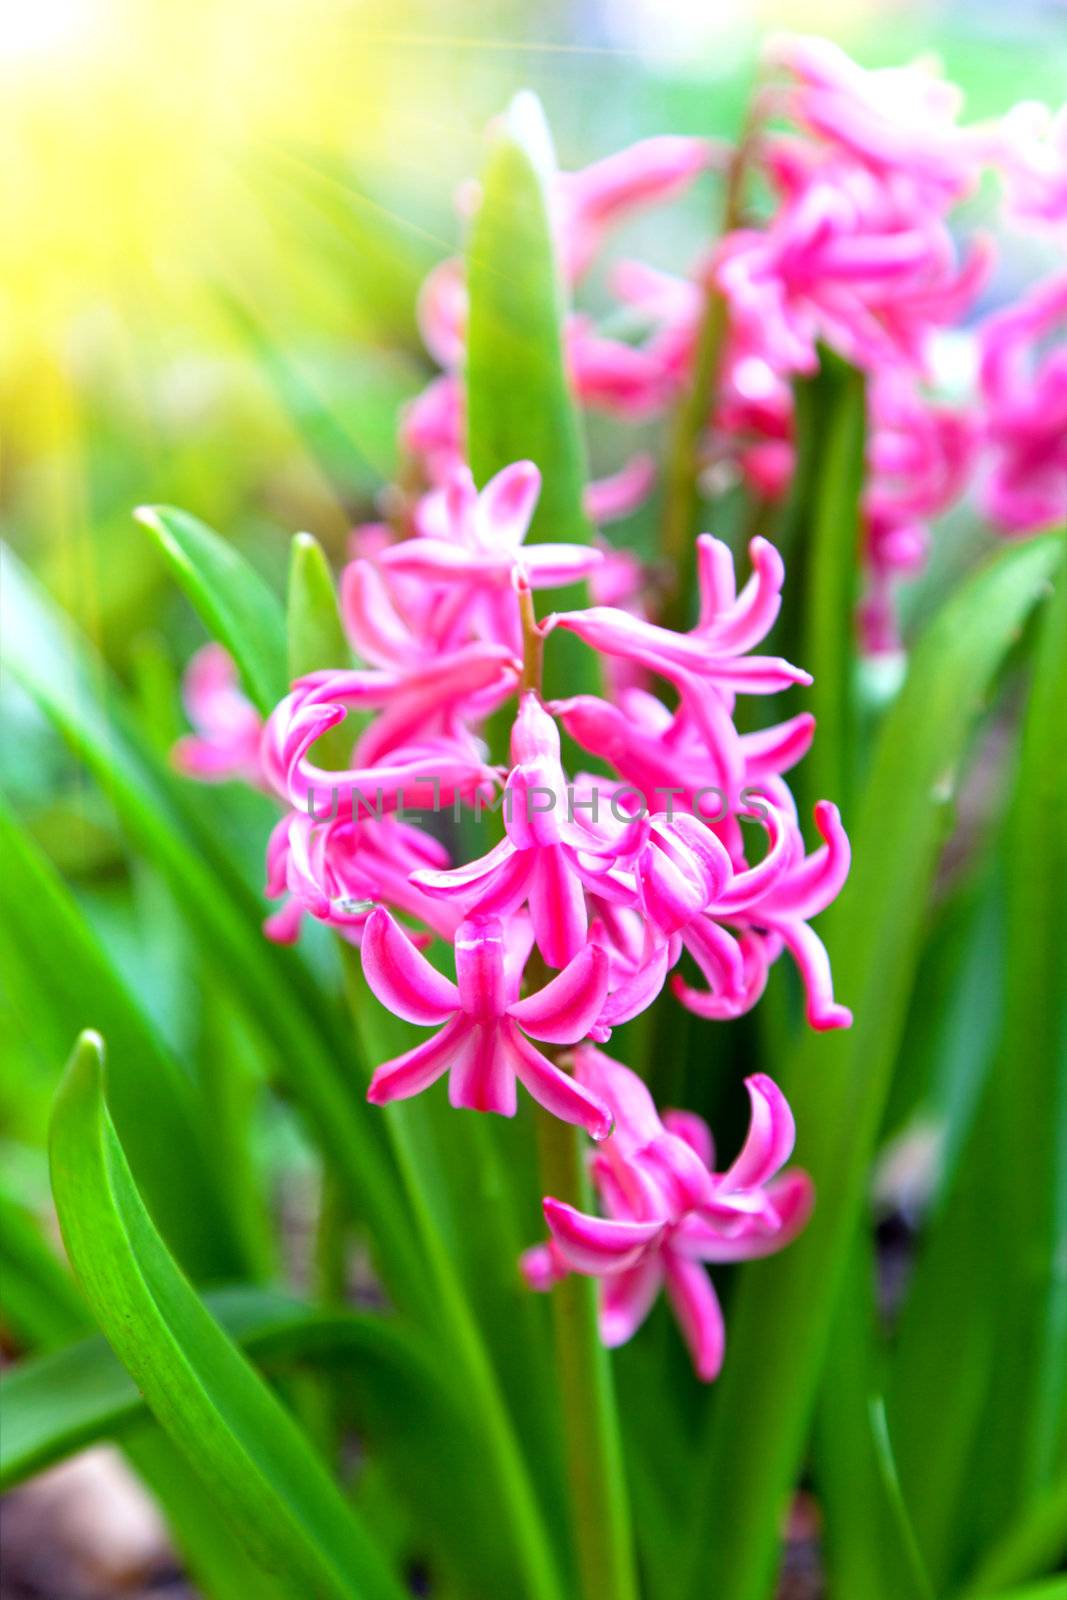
[588, 203]
[473, 542]
[547, 855]
[847, 261]
[340, 869]
[666, 1213]
[899, 121]
[417, 752]
[483, 1026]
[1031, 151]
[773, 903]
[229, 729]
[729, 625]
[1024, 387]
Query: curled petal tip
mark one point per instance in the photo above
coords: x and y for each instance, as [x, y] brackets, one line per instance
[829, 1020]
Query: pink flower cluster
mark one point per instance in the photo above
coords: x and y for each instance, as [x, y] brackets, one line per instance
[677, 861]
[571, 922]
[665, 1212]
[859, 254]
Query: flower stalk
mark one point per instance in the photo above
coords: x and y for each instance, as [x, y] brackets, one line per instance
[600, 1510]
[682, 471]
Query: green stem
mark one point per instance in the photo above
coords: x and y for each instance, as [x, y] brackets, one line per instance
[601, 1518]
[534, 1555]
[682, 499]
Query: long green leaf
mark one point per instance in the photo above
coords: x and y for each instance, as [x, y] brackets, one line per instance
[232, 598]
[411, 1410]
[838, 1084]
[69, 977]
[831, 433]
[1025, 1425]
[317, 1056]
[42, 1306]
[45, 1309]
[1033, 1064]
[519, 406]
[241, 1441]
[1032, 1545]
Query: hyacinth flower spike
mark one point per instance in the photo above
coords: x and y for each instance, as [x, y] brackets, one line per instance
[482, 1025]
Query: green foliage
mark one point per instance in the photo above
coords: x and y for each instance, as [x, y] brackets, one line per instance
[249, 1453]
[233, 600]
[519, 405]
[837, 1084]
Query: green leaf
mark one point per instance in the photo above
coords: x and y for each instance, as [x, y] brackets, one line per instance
[831, 432]
[42, 1305]
[70, 982]
[240, 1439]
[519, 405]
[1051, 1589]
[1033, 1064]
[1001, 1407]
[1025, 1426]
[295, 1017]
[868, 1546]
[410, 1410]
[45, 1309]
[316, 636]
[838, 1084]
[1032, 1545]
[72, 1397]
[236, 605]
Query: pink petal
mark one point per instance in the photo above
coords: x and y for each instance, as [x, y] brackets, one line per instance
[401, 977]
[566, 1008]
[811, 886]
[809, 953]
[480, 967]
[699, 1314]
[774, 750]
[597, 1245]
[695, 1131]
[770, 1138]
[551, 566]
[715, 578]
[791, 1199]
[637, 1121]
[481, 1078]
[553, 1089]
[634, 992]
[720, 959]
[370, 618]
[626, 1298]
[506, 505]
[415, 1070]
[753, 615]
[683, 1177]
[557, 906]
[542, 1266]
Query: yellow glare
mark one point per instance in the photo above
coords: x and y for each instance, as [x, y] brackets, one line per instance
[34, 28]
